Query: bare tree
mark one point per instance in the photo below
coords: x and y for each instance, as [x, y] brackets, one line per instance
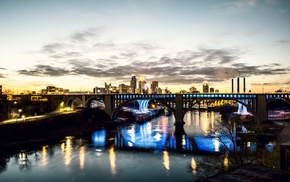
[239, 144]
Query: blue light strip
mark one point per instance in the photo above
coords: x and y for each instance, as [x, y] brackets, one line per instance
[143, 105]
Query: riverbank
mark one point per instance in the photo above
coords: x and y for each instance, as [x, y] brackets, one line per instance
[284, 135]
[59, 126]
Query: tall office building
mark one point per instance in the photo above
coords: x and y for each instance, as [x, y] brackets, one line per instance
[154, 87]
[143, 86]
[0, 89]
[133, 84]
[141, 79]
[205, 87]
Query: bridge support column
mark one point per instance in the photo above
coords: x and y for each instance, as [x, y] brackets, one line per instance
[179, 110]
[261, 109]
[109, 103]
[84, 100]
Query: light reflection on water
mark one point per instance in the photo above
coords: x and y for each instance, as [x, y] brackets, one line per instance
[112, 157]
[82, 156]
[98, 159]
[200, 123]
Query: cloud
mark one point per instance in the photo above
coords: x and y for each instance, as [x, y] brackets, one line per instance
[103, 45]
[85, 35]
[51, 48]
[111, 59]
[237, 5]
[222, 56]
[184, 67]
[271, 69]
[2, 75]
[44, 70]
[66, 55]
[284, 42]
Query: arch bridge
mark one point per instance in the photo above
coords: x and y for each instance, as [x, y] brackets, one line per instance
[180, 103]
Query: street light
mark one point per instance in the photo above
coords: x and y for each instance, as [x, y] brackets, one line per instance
[19, 112]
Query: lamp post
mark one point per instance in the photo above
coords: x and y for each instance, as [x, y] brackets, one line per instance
[19, 112]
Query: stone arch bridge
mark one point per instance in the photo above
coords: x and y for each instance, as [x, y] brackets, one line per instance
[180, 103]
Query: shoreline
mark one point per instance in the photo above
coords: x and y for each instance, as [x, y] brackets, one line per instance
[75, 124]
[284, 135]
[55, 136]
[57, 128]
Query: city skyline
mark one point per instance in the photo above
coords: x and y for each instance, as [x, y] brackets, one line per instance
[81, 45]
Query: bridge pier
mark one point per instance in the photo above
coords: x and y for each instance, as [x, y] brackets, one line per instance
[262, 109]
[109, 103]
[179, 136]
[178, 113]
[84, 99]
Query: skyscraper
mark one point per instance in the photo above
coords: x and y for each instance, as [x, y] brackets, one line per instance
[143, 86]
[154, 87]
[205, 87]
[133, 84]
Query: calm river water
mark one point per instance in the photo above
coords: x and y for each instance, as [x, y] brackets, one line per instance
[152, 151]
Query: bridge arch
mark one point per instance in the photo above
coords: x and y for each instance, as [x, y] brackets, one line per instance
[278, 108]
[241, 103]
[277, 102]
[74, 102]
[142, 102]
[95, 102]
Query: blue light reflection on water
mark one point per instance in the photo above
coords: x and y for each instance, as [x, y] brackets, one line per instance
[76, 159]
[213, 144]
[151, 134]
[202, 128]
[99, 138]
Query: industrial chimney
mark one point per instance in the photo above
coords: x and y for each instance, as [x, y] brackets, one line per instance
[238, 85]
[232, 85]
[244, 85]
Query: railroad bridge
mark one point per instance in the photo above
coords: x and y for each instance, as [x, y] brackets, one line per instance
[180, 103]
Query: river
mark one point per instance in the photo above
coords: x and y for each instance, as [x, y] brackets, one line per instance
[153, 151]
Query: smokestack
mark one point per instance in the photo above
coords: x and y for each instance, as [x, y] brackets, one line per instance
[232, 85]
[244, 85]
[238, 85]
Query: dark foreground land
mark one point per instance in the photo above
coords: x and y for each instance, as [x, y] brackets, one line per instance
[42, 130]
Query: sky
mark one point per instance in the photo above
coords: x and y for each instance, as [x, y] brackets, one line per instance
[81, 44]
